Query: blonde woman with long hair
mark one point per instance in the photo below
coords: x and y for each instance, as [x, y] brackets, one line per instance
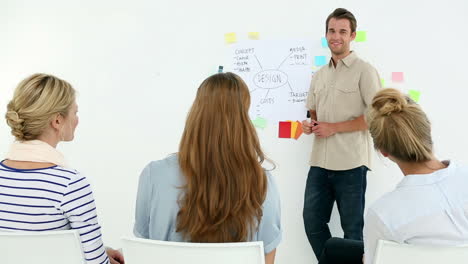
[214, 189]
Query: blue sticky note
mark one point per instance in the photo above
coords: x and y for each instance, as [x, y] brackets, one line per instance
[320, 60]
[324, 42]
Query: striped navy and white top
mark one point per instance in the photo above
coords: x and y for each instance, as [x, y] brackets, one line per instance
[51, 199]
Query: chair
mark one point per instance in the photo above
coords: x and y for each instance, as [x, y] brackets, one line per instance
[145, 251]
[390, 252]
[54, 247]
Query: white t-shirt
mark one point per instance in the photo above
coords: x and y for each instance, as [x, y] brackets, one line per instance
[424, 209]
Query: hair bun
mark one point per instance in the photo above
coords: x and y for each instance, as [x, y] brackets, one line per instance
[16, 123]
[389, 101]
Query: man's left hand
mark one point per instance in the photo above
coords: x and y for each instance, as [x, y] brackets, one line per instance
[324, 129]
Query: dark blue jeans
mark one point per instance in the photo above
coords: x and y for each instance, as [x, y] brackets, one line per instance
[323, 188]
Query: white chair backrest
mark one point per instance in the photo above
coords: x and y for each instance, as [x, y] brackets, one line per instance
[145, 251]
[390, 253]
[54, 247]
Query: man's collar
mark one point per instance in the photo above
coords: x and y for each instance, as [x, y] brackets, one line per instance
[347, 61]
[350, 59]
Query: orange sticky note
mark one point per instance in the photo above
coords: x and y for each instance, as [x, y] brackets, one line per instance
[299, 130]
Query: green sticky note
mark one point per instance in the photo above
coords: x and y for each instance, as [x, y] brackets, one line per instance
[413, 94]
[361, 36]
[259, 122]
[382, 81]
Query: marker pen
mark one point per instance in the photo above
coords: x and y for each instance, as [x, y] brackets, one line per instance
[309, 119]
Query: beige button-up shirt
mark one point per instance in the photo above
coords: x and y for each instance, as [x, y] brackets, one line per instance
[341, 94]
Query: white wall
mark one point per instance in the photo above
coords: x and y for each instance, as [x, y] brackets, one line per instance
[137, 64]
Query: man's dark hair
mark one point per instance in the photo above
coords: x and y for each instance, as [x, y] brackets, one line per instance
[342, 13]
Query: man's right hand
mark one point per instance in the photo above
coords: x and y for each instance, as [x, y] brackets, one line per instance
[307, 126]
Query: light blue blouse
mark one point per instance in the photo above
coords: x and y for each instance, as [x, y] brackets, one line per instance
[157, 207]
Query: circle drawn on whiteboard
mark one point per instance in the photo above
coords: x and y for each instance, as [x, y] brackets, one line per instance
[270, 79]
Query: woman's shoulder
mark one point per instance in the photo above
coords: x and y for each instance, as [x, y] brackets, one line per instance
[168, 163]
[67, 173]
[457, 168]
[270, 179]
[164, 170]
[272, 188]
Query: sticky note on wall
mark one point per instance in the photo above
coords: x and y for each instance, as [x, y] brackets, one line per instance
[413, 94]
[259, 122]
[324, 42]
[320, 60]
[254, 35]
[230, 38]
[382, 81]
[397, 76]
[361, 36]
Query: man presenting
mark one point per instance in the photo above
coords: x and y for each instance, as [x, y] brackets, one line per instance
[338, 97]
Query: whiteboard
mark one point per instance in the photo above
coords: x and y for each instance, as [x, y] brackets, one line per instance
[137, 65]
[278, 74]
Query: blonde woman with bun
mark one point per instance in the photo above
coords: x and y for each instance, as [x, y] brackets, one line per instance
[430, 204]
[38, 190]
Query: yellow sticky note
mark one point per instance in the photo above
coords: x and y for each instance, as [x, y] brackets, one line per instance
[361, 36]
[293, 128]
[230, 38]
[382, 81]
[254, 35]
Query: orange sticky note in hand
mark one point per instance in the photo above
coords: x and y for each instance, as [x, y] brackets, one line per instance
[299, 130]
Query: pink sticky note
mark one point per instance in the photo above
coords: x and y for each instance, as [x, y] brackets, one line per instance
[397, 76]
